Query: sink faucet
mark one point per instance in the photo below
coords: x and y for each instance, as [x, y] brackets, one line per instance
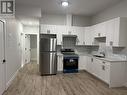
[103, 53]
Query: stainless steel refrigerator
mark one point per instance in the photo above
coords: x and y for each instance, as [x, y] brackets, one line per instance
[48, 54]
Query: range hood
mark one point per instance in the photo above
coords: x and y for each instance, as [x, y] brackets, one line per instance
[72, 36]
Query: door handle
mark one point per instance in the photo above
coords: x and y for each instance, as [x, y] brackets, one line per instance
[4, 61]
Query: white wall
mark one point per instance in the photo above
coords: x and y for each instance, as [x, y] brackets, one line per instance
[59, 19]
[118, 10]
[81, 20]
[28, 11]
[53, 19]
[13, 49]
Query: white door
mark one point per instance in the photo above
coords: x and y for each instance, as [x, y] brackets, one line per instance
[27, 48]
[2, 65]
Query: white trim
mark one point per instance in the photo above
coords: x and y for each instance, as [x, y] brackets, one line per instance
[13, 77]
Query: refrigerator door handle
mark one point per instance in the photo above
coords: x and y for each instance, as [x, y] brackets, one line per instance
[51, 44]
[54, 45]
[51, 63]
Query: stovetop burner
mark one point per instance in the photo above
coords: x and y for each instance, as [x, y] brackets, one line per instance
[69, 53]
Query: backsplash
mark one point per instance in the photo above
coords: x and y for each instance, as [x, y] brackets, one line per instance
[81, 49]
[91, 49]
[69, 42]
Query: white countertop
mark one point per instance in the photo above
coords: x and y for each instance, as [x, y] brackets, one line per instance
[105, 59]
[112, 59]
[90, 55]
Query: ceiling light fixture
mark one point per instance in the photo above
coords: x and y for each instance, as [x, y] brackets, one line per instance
[65, 4]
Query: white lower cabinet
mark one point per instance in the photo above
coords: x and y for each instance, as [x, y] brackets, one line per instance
[102, 70]
[82, 62]
[59, 63]
[112, 73]
[89, 64]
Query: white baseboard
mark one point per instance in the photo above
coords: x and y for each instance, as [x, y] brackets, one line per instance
[13, 77]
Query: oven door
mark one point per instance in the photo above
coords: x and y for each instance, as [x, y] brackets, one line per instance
[70, 64]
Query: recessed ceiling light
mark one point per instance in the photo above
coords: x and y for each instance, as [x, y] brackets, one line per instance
[65, 3]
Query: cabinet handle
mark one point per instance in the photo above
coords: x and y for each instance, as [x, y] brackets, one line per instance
[92, 43]
[91, 59]
[69, 32]
[111, 43]
[84, 43]
[103, 67]
[99, 34]
[103, 62]
[48, 31]
[4, 61]
[61, 43]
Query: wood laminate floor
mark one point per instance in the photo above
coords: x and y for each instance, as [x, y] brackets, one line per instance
[29, 82]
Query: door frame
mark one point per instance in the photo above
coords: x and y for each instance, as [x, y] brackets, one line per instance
[4, 52]
[27, 39]
[23, 43]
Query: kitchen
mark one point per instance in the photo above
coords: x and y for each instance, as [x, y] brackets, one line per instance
[78, 51]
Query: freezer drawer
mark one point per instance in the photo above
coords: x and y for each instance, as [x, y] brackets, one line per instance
[48, 63]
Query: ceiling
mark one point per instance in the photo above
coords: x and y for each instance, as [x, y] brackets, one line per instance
[78, 7]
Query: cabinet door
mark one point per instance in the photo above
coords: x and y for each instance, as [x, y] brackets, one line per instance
[89, 64]
[48, 29]
[110, 32]
[82, 62]
[70, 30]
[96, 67]
[102, 29]
[104, 71]
[88, 36]
[95, 29]
[60, 31]
[44, 29]
[79, 31]
[107, 73]
[59, 63]
[116, 35]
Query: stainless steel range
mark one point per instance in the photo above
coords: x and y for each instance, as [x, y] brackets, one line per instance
[70, 61]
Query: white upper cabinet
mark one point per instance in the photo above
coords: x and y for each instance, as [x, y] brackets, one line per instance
[116, 32]
[79, 31]
[60, 31]
[48, 29]
[110, 31]
[88, 36]
[100, 30]
[54, 29]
